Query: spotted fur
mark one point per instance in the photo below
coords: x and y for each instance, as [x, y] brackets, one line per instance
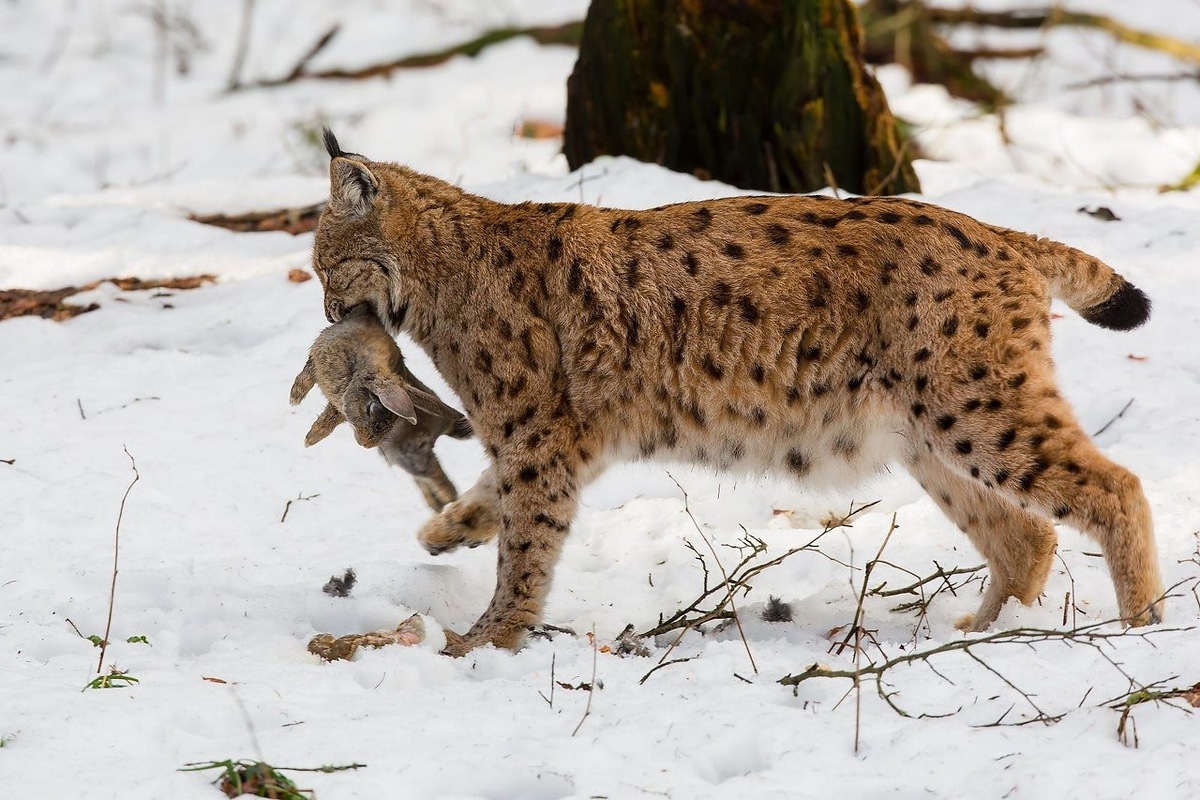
[809, 336]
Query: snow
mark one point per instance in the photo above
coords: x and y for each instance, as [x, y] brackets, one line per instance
[98, 174]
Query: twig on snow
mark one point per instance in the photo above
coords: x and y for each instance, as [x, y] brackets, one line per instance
[112, 592]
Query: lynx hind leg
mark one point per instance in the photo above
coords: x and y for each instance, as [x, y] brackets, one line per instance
[1018, 546]
[473, 519]
[1026, 445]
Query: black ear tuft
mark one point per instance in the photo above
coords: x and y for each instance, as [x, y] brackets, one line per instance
[331, 143]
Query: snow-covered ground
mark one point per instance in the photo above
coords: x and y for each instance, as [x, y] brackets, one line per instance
[104, 154]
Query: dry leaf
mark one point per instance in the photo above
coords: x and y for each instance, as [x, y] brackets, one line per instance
[298, 276]
[213, 680]
[1132, 357]
[538, 129]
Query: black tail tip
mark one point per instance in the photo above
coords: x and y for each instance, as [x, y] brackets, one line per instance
[331, 143]
[1125, 310]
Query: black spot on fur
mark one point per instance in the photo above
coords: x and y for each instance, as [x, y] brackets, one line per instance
[1062, 511]
[847, 250]
[755, 209]
[1001, 476]
[929, 266]
[758, 373]
[1040, 465]
[889, 217]
[958, 235]
[1127, 308]
[861, 300]
[1017, 381]
[918, 409]
[978, 372]
[946, 421]
[963, 446]
[733, 250]
[1006, 439]
[973, 404]
[721, 294]
[574, 276]
[981, 330]
[950, 326]
[921, 382]
[855, 214]
[798, 462]
[550, 522]
[505, 257]
[713, 368]
[1020, 323]
[701, 219]
[528, 474]
[854, 383]
[749, 310]
[554, 249]
[819, 297]
[886, 270]
[778, 234]
[943, 295]
[922, 355]
[922, 219]
[665, 241]
[691, 264]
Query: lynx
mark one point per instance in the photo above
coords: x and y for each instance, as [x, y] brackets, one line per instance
[812, 336]
[362, 374]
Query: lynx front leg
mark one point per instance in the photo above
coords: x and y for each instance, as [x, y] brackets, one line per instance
[471, 520]
[537, 503]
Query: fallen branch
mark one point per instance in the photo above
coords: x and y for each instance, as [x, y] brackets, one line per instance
[1092, 635]
[49, 303]
[698, 611]
[568, 34]
[1120, 414]
[302, 219]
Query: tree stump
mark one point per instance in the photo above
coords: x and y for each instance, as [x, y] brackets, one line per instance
[762, 94]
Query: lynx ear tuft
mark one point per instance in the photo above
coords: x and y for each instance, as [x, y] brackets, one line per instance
[331, 143]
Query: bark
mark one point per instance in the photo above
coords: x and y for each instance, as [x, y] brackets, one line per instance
[766, 94]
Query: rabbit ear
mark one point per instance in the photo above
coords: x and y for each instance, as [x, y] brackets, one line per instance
[303, 383]
[395, 397]
[329, 419]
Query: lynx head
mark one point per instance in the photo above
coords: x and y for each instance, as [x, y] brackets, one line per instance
[364, 248]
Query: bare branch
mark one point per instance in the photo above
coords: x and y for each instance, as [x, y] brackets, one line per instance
[112, 592]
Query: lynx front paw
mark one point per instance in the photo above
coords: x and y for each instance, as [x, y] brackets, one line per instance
[459, 523]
